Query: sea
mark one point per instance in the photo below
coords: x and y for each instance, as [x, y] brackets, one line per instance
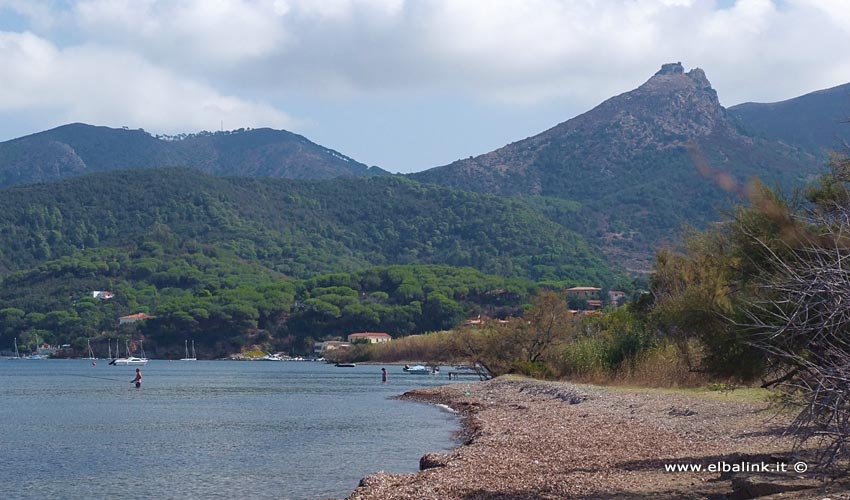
[209, 429]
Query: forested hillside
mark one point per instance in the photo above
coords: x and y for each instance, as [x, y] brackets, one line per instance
[79, 149]
[293, 228]
[816, 122]
[233, 261]
[225, 304]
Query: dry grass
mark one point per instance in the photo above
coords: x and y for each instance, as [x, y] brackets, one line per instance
[659, 366]
[430, 347]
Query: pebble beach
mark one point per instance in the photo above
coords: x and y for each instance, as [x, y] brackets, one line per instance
[527, 439]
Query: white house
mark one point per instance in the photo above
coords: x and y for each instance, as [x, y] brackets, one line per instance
[373, 338]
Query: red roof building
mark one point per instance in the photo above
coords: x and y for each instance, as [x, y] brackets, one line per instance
[132, 318]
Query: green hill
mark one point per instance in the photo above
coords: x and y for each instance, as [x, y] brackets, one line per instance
[816, 122]
[293, 228]
[78, 149]
[225, 304]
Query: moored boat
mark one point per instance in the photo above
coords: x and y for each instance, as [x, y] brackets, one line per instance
[91, 353]
[187, 358]
[130, 360]
[419, 370]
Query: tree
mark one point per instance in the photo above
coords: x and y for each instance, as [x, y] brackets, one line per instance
[522, 344]
[547, 322]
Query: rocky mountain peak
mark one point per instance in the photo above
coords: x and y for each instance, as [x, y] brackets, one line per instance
[696, 75]
[673, 103]
[699, 78]
[672, 108]
[675, 68]
[672, 76]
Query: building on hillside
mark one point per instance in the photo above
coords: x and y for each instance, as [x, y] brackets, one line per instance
[132, 318]
[46, 349]
[102, 294]
[474, 321]
[330, 345]
[583, 292]
[616, 297]
[372, 337]
[594, 304]
[478, 321]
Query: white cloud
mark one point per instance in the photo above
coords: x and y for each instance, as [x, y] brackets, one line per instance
[514, 51]
[837, 11]
[214, 31]
[102, 85]
[210, 57]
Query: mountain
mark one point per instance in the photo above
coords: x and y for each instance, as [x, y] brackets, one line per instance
[640, 164]
[77, 149]
[816, 122]
[294, 228]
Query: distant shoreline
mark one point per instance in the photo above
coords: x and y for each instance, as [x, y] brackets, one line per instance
[550, 440]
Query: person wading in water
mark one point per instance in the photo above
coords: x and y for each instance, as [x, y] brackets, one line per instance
[138, 379]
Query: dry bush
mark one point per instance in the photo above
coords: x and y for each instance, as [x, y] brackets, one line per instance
[662, 366]
[437, 347]
[801, 318]
[659, 366]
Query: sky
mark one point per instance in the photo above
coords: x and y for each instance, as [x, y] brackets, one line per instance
[402, 84]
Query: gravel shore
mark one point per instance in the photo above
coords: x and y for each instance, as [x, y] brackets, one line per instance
[526, 439]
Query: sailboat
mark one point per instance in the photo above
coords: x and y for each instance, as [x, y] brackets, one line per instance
[130, 360]
[17, 355]
[187, 358]
[91, 353]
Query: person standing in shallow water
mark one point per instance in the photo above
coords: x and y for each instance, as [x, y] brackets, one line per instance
[383, 374]
[138, 379]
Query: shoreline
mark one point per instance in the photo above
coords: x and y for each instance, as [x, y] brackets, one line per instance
[522, 439]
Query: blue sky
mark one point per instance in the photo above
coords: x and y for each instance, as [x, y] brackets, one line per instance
[402, 84]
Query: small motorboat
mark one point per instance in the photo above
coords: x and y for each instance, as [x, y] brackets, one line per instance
[345, 365]
[418, 370]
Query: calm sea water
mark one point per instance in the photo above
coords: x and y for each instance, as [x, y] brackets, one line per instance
[208, 429]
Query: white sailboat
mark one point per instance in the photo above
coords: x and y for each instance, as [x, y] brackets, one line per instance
[130, 360]
[91, 353]
[187, 358]
[17, 355]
